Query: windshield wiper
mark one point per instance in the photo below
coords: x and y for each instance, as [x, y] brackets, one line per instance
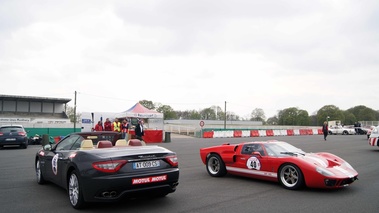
[292, 153]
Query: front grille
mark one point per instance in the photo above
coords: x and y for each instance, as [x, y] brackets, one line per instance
[339, 183]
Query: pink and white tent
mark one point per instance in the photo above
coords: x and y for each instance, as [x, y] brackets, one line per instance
[139, 111]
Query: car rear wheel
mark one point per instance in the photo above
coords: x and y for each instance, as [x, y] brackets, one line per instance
[215, 166]
[290, 176]
[40, 178]
[74, 191]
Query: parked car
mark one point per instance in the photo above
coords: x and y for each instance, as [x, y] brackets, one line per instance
[340, 130]
[278, 161]
[374, 137]
[93, 169]
[13, 135]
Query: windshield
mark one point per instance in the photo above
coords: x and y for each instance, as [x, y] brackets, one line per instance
[282, 149]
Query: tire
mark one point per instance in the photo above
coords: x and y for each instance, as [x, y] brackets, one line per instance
[345, 133]
[291, 177]
[75, 194]
[215, 166]
[40, 178]
[330, 133]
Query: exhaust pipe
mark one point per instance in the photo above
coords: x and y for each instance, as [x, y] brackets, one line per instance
[105, 194]
[109, 194]
[113, 194]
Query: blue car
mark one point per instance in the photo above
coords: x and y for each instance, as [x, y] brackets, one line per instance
[13, 135]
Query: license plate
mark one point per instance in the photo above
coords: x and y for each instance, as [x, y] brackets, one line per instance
[10, 139]
[146, 164]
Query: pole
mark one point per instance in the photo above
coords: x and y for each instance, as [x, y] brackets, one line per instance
[225, 117]
[75, 113]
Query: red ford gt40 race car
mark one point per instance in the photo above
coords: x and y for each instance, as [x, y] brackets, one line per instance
[278, 161]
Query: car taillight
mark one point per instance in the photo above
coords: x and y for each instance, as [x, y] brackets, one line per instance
[172, 160]
[109, 166]
[22, 133]
[1, 133]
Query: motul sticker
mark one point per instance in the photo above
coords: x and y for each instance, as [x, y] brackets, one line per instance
[149, 179]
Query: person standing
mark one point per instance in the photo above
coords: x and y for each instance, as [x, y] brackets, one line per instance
[124, 128]
[116, 125]
[99, 127]
[139, 130]
[325, 129]
[107, 125]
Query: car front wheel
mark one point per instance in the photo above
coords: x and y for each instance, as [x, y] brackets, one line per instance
[215, 166]
[74, 191]
[291, 177]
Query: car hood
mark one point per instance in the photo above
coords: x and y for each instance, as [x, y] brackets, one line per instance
[331, 163]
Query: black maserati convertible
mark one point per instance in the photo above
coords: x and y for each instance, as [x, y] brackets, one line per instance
[100, 167]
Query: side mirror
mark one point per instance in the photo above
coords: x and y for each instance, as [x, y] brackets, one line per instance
[47, 147]
[257, 153]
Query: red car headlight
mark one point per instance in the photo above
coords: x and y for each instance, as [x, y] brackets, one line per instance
[324, 171]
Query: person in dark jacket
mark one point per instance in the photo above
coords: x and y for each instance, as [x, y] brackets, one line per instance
[139, 130]
[325, 129]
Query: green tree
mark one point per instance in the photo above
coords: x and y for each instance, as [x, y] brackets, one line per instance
[70, 114]
[349, 118]
[189, 114]
[288, 116]
[148, 104]
[272, 120]
[302, 118]
[293, 116]
[257, 115]
[168, 112]
[208, 114]
[330, 111]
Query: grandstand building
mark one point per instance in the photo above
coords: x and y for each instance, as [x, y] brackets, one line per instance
[31, 111]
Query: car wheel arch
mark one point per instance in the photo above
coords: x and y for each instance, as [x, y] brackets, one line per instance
[221, 170]
[301, 180]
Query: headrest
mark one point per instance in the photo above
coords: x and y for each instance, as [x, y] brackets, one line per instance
[104, 144]
[86, 144]
[121, 142]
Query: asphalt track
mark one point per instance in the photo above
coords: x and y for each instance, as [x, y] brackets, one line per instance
[198, 192]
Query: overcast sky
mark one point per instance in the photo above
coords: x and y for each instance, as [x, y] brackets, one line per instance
[193, 54]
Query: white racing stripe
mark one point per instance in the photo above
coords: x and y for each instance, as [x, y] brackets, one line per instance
[350, 175]
[252, 172]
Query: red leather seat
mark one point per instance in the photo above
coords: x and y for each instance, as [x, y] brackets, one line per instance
[104, 144]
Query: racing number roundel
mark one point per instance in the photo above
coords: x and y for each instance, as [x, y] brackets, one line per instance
[54, 164]
[253, 163]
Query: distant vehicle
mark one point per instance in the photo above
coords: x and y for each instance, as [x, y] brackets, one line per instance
[35, 140]
[369, 131]
[278, 161]
[93, 169]
[13, 135]
[374, 137]
[340, 130]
